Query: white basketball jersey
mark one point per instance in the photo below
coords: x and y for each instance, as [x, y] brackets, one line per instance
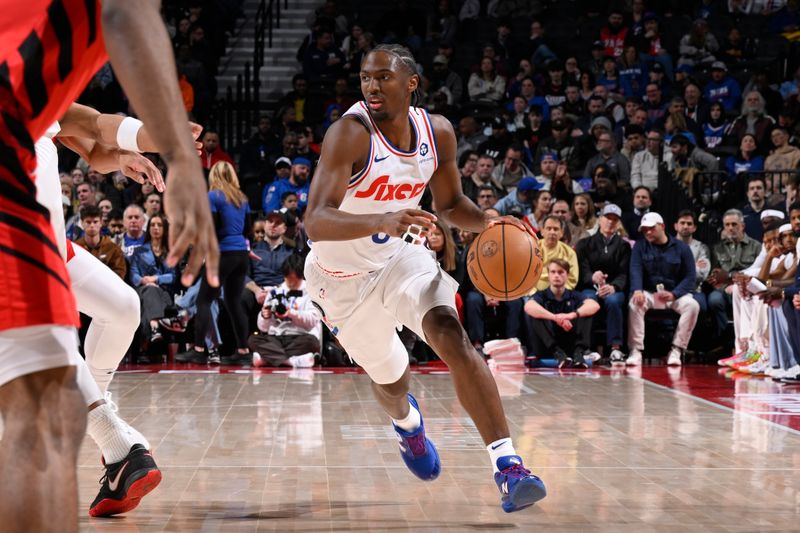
[48, 184]
[391, 181]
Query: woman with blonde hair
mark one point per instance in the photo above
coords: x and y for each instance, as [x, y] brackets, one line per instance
[584, 213]
[231, 210]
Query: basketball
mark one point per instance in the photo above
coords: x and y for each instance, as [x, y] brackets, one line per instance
[504, 262]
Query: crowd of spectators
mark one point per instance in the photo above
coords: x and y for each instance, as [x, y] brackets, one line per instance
[570, 115]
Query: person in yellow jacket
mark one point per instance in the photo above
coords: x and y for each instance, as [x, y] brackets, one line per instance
[553, 248]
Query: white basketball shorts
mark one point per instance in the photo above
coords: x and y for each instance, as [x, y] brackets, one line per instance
[365, 311]
[36, 348]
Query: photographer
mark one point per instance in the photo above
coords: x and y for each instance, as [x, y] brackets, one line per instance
[290, 324]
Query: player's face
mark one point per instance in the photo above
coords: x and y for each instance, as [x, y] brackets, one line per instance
[92, 225]
[788, 241]
[556, 275]
[386, 85]
[794, 219]
[770, 239]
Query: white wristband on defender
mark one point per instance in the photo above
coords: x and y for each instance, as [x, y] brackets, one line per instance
[126, 134]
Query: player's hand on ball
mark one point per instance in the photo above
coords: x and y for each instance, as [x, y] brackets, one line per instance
[140, 169]
[514, 221]
[396, 224]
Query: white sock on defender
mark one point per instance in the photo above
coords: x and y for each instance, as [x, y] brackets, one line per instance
[113, 435]
[500, 448]
[411, 422]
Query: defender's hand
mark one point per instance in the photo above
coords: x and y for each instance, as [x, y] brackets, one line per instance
[140, 169]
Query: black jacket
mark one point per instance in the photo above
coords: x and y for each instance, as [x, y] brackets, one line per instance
[612, 259]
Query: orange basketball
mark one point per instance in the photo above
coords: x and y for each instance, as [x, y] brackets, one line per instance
[504, 262]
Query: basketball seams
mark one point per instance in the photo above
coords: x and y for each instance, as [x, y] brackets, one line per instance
[480, 266]
[478, 272]
[505, 265]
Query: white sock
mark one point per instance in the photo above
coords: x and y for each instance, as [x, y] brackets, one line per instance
[500, 448]
[113, 435]
[102, 376]
[411, 422]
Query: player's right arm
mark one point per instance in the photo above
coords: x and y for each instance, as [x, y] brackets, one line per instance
[346, 146]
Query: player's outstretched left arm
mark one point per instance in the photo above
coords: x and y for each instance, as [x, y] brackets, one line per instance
[105, 159]
[451, 203]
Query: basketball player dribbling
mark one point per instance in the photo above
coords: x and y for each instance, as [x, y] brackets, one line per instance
[369, 274]
[49, 50]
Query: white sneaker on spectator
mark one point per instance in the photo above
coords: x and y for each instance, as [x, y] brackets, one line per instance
[792, 372]
[772, 371]
[593, 357]
[634, 358]
[306, 360]
[674, 357]
[257, 361]
[617, 357]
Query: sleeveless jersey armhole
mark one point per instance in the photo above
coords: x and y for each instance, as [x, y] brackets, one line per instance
[359, 172]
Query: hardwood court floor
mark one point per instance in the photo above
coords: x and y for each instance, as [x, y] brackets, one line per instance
[279, 452]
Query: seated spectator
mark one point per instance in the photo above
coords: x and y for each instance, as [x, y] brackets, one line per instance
[212, 152]
[86, 197]
[746, 159]
[477, 307]
[735, 252]
[687, 159]
[584, 213]
[519, 199]
[498, 143]
[698, 46]
[152, 278]
[116, 227]
[614, 34]
[552, 230]
[99, 245]
[604, 260]
[486, 197]
[152, 205]
[753, 121]
[696, 107]
[297, 182]
[606, 189]
[610, 78]
[644, 167]
[542, 204]
[565, 145]
[556, 178]
[512, 169]
[572, 233]
[106, 207]
[608, 155]
[323, 62]
[470, 136]
[783, 157]
[662, 275]
[715, 127]
[443, 79]
[134, 236]
[482, 177]
[486, 85]
[685, 228]
[289, 324]
[634, 142]
[642, 201]
[563, 322]
[756, 204]
[654, 104]
[632, 73]
[722, 88]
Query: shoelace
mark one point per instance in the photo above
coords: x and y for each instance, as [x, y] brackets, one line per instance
[516, 471]
[417, 444]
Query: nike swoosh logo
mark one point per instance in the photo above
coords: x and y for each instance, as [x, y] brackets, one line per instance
[495, 447]
[112, 484]
[378, 160]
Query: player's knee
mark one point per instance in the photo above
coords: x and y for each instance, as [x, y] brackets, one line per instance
[127, 308]
[442, 328]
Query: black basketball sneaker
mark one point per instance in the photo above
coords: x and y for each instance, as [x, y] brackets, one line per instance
[126, 482]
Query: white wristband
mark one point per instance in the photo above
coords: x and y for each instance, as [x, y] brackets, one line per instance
[126, 134]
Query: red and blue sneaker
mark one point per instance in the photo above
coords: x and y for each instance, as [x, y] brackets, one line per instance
[417, 450]
[519, 488]
[126, 482]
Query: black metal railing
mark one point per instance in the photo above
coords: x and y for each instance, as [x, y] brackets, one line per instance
[235, 115]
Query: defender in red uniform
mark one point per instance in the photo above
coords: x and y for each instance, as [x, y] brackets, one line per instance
[49, 50]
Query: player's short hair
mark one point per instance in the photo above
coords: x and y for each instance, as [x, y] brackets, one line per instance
[406, 58]
[560, 262]
[91, 211]
[295, 264]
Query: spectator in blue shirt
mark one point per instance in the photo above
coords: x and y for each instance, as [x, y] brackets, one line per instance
[662, 275]
[133, 221]
[722, 88]
[745, 160]
[520, 198]
[297, 182]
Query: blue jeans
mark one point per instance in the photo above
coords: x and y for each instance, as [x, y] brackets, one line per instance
[718, 303]
[473, 311]
[700, 298]
[614, 306]
[189, 302]
[793, 322]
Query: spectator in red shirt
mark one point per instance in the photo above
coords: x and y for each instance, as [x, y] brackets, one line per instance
[613, 35]
[211, 152]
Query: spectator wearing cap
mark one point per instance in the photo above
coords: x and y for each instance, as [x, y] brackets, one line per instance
[753, 121]
[644, 167]
[722, 88]
[634, 142]
[512, 169]
[498, 143]
[685, 155]
[565, 145]
[442, 78]
[683, 76]
[642, 202]
[608, 155]
[486, 85]
[662, 274]
[657, 74]
[482, 177]
[211, 152]
[595, 64]
[519, 199]
[604, 259]
[551, 246]
[297, 182]
[255, 158]
[698, 46]
[563, 319]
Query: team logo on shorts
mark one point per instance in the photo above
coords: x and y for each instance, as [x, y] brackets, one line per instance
[489, 249]
[322, 293]
[423, 149]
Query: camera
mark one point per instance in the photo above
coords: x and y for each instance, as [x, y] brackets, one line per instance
[279, 300]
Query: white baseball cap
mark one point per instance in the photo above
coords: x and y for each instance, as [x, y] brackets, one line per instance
[649, 220]
[785, 228]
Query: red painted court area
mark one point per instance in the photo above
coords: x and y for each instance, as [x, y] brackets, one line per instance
[749, 395]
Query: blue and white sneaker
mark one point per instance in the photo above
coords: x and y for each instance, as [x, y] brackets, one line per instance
[418, 452]
[519, 488]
